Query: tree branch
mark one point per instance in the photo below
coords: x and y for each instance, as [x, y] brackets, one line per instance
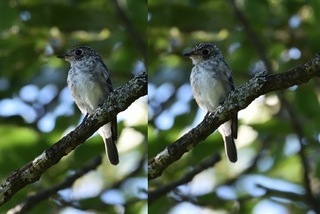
[270, 192]
[239, 99]
[118, 101]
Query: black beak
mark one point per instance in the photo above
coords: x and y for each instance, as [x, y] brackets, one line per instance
[64, 56]
[187, 54]
[61, 56]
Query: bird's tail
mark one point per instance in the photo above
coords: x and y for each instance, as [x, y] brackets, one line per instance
[109, 139]
[111, 150]
[230, 148]
[229, 132]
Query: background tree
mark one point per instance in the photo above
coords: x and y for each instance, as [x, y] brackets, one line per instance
[278, 140]
[36, 108]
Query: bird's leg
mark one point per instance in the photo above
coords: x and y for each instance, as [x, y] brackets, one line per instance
[86, 117]
[221, 103]
[207, 114]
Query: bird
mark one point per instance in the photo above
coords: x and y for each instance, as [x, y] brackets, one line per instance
[90, 84]
[211, 82]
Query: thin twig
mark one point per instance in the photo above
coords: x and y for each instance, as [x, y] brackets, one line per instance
[133, 34]
[304, 160]
[153, 195]
[33, 200]
[252, 36]
[285, 194]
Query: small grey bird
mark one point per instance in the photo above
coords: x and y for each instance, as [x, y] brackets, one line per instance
[90, 84]
[211, 83]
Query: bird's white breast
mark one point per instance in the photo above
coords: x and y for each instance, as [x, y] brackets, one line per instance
[208, 91]
[86, 92]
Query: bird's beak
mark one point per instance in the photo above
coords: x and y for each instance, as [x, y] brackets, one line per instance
[188, 54]
[62, 56]
[193, 56]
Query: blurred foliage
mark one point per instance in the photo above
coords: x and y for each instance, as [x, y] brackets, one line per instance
[268, 147]
[36, 109]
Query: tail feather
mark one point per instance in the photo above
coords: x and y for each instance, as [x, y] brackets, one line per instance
[230, 148]
[112, 151]
[109, 136]
[234, 127]
[228, 130]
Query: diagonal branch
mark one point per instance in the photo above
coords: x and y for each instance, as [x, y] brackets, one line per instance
[118, 101]
[291, 195]
[239, 99]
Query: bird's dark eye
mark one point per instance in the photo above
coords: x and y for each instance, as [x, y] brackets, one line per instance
[205, 52]
[78, 52]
